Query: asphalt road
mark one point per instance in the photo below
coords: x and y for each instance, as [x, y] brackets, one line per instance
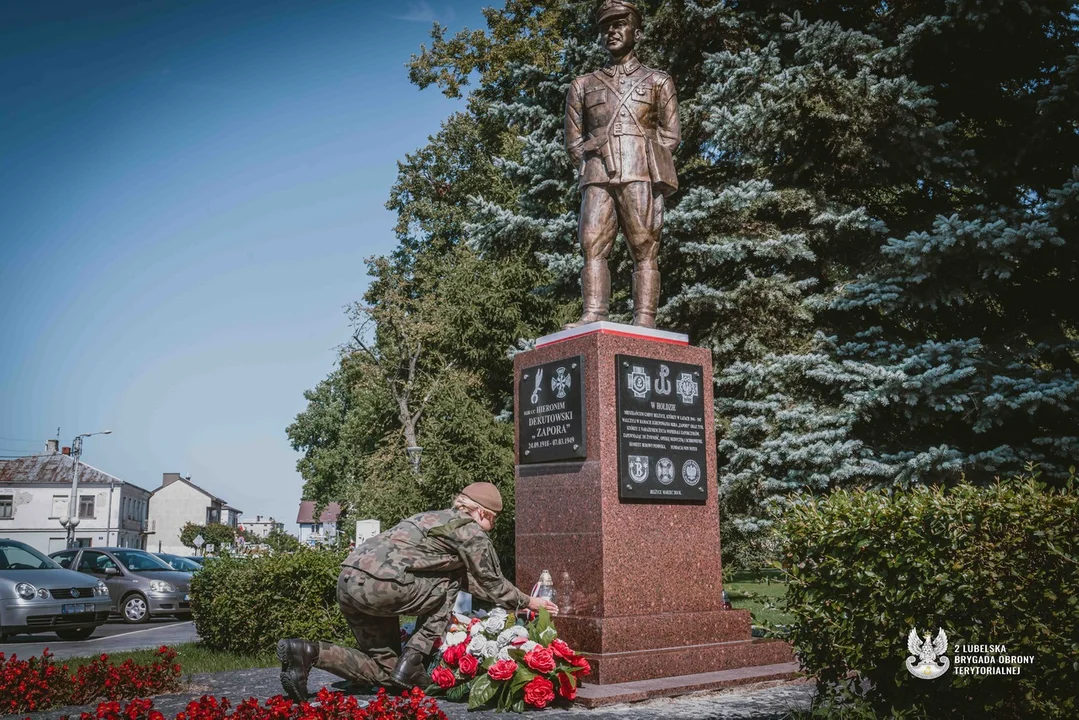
[113, 636]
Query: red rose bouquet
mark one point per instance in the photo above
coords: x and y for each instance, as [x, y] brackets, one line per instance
[493, 662]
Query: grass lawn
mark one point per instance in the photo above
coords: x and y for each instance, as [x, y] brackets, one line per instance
[754, 590]
[193, 658]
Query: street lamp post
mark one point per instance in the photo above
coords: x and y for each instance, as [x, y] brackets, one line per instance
[71, 520]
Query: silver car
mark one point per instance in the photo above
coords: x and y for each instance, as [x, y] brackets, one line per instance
[139, 584]
[37, 595]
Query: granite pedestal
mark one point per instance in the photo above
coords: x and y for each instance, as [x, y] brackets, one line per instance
[639, 582]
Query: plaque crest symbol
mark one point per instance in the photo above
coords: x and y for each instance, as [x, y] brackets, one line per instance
[638, 468]
[665, 471]
[927, 660]
[663, 385]
[688, 389]
[691, 472]
[560, 382]
[539, 386]
[640, 384]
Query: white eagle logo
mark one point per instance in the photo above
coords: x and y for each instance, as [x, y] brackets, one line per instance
[923, 662]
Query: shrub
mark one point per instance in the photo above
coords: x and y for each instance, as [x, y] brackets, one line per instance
[246, 605]
[281, 541]
[995, 565]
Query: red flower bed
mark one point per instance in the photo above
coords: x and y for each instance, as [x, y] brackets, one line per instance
[39, 683]
[328, 706]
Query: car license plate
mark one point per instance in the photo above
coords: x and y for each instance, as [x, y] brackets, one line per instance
[75, 608]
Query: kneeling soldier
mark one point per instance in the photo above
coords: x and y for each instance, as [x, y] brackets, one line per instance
[415, 568]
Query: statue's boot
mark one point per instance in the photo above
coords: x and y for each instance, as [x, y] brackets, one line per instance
[645, 295]
[596, 289]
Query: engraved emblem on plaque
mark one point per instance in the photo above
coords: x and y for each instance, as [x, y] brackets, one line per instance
[663, 385]
[539, 386]
[688, 389]
[639, 382]
[665, 471]
[561, 382]
[691, 472]
[638, 468]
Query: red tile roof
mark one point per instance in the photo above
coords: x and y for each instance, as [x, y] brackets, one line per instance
[307, 513]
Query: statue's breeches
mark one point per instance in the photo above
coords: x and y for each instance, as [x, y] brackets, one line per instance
[636, 207]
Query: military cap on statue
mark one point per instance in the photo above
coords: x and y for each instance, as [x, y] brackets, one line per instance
[611, 9]
[484, 494]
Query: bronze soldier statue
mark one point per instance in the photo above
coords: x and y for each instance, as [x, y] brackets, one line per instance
[414, 568]
[621, 128]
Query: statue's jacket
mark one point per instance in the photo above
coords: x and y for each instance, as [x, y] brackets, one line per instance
[622, 126]
[437, 544]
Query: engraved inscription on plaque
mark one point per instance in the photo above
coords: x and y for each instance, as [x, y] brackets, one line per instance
[550, 411]
[661, 441]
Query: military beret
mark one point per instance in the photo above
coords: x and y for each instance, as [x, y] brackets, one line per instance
[485, 494]
[611, 9]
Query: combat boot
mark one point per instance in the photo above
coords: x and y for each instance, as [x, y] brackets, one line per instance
[596, 289]
[297, 658]
[410, 670]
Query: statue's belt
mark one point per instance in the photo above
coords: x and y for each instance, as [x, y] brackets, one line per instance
[600, 138]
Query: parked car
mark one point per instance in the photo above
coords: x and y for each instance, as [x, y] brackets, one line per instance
[37, 595]
[178, 562]
[139, 584]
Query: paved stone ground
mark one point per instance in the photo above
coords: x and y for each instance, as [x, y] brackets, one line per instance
[766, 701]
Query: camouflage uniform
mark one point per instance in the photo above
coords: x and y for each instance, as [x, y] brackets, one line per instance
[415, 568]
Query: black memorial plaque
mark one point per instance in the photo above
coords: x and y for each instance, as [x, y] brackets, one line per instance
[661, 441]
[550, 410]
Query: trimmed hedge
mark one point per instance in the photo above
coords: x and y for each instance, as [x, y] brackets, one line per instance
[994, 565]
[246, 605]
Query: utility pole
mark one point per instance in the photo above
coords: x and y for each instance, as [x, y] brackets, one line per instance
[71, 519]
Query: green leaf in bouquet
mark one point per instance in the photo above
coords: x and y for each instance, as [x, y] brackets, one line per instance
[504, 697]
[480, 692]
[543, 619]
[561, 665]
[522, 677]
[432, 689]
[459, 692]
[547, 636]
[519, 706]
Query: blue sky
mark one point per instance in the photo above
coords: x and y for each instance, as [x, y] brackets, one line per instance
[188, 191]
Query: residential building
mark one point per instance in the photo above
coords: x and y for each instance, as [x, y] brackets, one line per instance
[321, 529]
[261, 526]
[34, 495]
[178, 502]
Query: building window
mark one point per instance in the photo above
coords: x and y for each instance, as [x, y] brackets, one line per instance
[86, 506]
[213, 515]
[59, 506]
[7, 505]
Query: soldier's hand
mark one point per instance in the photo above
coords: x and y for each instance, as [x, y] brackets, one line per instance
[538, 603]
